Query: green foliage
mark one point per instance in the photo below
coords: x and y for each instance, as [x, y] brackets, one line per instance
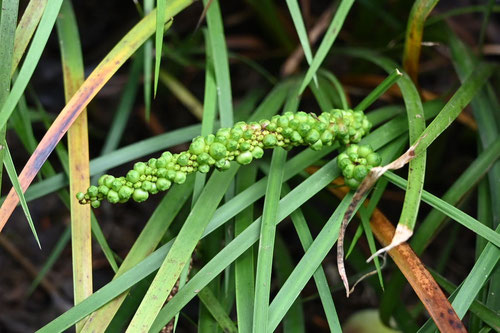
[244, 237]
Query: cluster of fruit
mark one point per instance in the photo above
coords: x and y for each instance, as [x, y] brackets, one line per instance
[241, 143]
[355, 163]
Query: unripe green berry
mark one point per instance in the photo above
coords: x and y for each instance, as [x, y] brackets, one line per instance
[108, 181]
[210, 139]
[348, 171]
[113, 197]
[133, 176]
[360, 172]
[117, 184]
[146, 186]
[352, 183]
[171, 174]
[271, 127]
[103, 189]
[183, 159]
[296, 137]
[140, 195]
[92, 191]
[162, 173]
[327, 137]
[283, 122]
[343, 163]
[269, 141]
[95, 204]
[257, 152]
[236, 133]
[224, 132]
[125, 192]
[152, 163]
[244, 158]
[244, 146]
[203, 158]
[140, 167]
[80, 196]
[352, 149]
[222, 164]
[312, 136]
[167, 156]
[204, 168]
[232, 145]
[163, 184]
[318, 145]
[161, 163]
[180, 177]
[364, 150]
[101, 179]
[374, 159]
[304, 129]
[217, 150]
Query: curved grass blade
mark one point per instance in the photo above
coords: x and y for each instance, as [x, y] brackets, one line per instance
[121, 52]
[327, 42]
[78, 149]
[414, 31]
[416, 123]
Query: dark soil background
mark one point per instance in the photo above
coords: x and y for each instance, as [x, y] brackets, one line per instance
[103, 23]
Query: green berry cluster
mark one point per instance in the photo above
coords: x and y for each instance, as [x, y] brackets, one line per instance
[355, 163]
[241, 143]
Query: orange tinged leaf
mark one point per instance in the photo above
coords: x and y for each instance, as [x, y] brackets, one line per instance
[422, 282]
[104, 71]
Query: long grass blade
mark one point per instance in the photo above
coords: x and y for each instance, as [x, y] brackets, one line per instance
[8, 19]
[327, 42]
[266, 244]
[78, 149]
[160, 24]
[181, 251]
[220, 62]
